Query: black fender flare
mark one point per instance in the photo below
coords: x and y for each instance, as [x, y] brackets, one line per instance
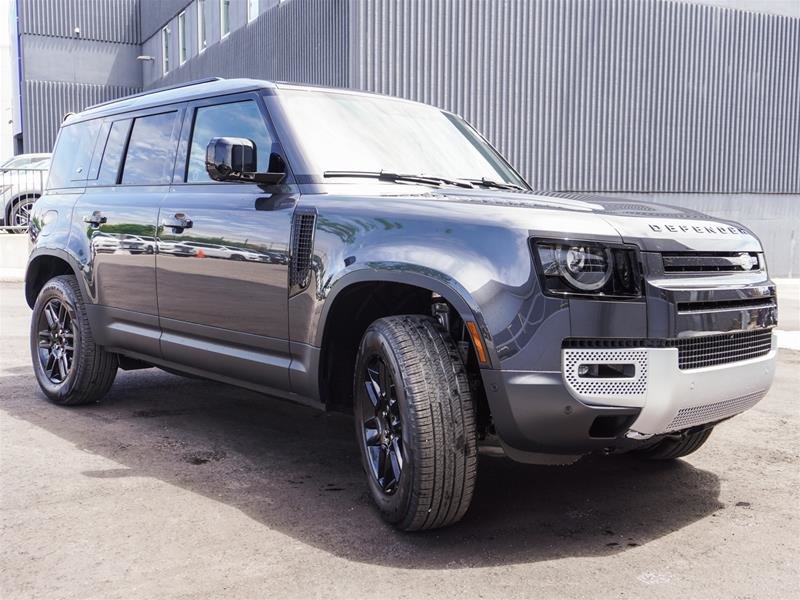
[424, 277]
[32, 268]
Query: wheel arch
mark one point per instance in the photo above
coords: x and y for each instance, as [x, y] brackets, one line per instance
[359, 298]
[43, 265]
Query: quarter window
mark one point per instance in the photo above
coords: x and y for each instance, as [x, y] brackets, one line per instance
[182, 48]
[224, 17]
[151, 151]
[165, 35]
[73, 155]
[236, 119]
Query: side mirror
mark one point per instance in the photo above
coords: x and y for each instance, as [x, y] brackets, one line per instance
[235, 159]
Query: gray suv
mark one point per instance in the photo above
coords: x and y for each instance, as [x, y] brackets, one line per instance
[361, 253]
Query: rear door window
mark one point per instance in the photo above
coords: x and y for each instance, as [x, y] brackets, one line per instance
[73, 155]
[112, 153]
[151, 150]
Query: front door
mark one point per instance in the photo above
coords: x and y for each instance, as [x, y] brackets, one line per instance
[222, 265]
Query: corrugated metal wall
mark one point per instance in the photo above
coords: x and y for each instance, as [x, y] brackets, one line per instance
[300, 40]
[46, 102]
[629, 95]
[112, 24]
[104, 20]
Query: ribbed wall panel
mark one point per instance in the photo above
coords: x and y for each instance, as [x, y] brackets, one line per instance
[299, 40]
[629, 95]
[104, 20]
[46, 102]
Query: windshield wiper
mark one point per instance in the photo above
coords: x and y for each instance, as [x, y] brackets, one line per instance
[496, 184]
[389, 176]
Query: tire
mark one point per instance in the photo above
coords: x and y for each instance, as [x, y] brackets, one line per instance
[87, 376]
[19, 215]
[412, 401]
[672, 448]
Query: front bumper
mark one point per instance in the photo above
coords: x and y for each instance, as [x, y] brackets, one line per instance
[669, 398]
[559, 413]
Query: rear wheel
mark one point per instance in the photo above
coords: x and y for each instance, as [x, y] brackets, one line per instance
[670, 448]
[70, 368]
[415, 423]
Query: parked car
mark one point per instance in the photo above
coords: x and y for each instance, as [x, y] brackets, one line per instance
[137, 244]
[428, 289]
[22, 179]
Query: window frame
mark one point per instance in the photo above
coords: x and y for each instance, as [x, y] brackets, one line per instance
[253, 7]
[223, 13]
[181, 170]
[165, 39]
[107, 123]
[183, 47]
[202, 39]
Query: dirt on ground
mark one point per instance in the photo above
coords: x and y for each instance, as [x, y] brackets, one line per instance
[182, 488]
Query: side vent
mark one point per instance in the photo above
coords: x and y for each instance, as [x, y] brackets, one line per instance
[302, 247]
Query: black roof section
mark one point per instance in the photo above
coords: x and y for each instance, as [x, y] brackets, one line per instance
[201, 88]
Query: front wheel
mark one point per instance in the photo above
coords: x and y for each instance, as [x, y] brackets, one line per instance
[415, 423]
[70, 368]
[670, 448]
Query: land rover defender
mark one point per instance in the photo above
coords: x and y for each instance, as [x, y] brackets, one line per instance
[362, 253]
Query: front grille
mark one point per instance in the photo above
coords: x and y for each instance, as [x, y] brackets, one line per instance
[710, 350]
[694, 352]
[709, 413]
[730, 262]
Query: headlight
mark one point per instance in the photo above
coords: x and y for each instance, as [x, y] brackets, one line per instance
[587, 268]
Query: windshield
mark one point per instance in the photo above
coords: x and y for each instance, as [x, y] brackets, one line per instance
[350, 132]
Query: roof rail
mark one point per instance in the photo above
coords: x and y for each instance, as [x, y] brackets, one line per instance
[161, 89]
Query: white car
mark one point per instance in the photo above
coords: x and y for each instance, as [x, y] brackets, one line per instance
[22, 180]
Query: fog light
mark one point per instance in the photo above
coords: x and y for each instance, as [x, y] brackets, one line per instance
[607, 371]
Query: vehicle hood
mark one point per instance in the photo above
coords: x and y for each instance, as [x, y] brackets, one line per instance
[650, 225]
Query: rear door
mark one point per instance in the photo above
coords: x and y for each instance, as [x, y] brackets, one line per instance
[117, 215]
[222, 270]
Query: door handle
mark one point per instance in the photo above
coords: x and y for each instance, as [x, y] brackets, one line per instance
[95, 219]
[178, 222]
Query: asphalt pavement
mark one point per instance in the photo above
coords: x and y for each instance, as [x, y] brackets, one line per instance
[182, 488]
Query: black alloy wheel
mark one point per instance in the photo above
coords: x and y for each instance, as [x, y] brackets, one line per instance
[56, 340]
[70, 367]
[382, 426]
[414, 421]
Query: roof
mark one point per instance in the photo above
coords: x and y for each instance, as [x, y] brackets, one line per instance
[203, 88]
[170, 95]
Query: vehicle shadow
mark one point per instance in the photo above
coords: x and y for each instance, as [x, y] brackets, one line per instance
[297, 471]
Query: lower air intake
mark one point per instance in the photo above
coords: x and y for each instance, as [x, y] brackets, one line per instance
[709, 413]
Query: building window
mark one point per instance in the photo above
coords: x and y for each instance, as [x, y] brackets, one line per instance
[165, 34]
[182, 49]
[202, 41]
[224, 17]
[252, 10]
